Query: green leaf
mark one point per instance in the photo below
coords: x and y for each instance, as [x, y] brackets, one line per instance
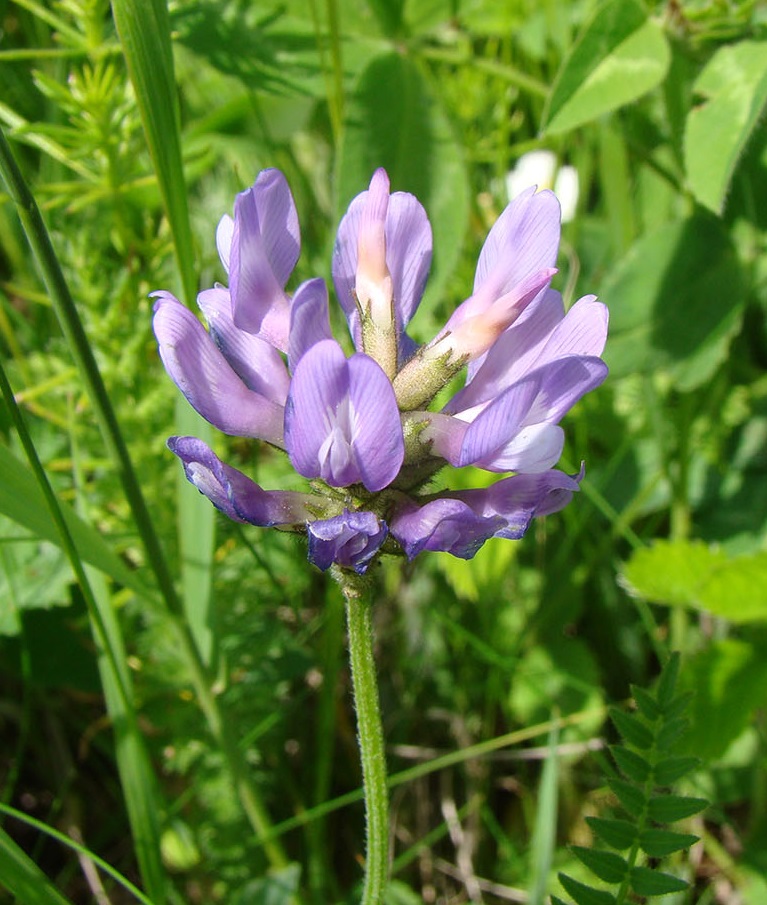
[585, 895]
[670, 769]
[394, 121]
[669, 808]
[618, 834]
[278, 888]
[648, 882]
[659, 843]
[670, 733]
[606, 865]
[646, 703]
[631, 764]
[633, 730]
[738, 590]
[663, 317]
[730, 682]
[543, 843]
[667, 682]
[22, 501]
[620, 56]
[631, 797]
[23, 879]
[671, 572]
[733, 85]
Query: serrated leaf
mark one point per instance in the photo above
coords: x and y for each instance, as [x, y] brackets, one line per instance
[738, 590]
[678, 706]
[670, 733]
[670, 769]
[733, 85]
[646, 703]
[659, 843]
[631, 764]
[669, 808]
[619, 56]
[671, 572]
[664, 321]
[618, 834]
[632, 798]
[585, 895]
[648, 882]
[606, 865]
[633, 730]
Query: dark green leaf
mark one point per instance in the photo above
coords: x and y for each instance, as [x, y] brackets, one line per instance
[670, 733]
[585, 895]
[618, 834]
[631, 764]
[631, 797]
[633, 730]
[645, 702]
[659, 843]
[669, 770]
[678, 706]
[664, 319]
[668, 808]
[648, 882]
[606, 865]
[619, 56]
[668, 680]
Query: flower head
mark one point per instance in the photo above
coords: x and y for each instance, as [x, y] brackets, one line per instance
[359, 427]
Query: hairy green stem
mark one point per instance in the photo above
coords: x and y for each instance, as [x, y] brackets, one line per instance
[369, 733]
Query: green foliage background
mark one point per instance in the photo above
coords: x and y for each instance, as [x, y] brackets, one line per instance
[183, 712]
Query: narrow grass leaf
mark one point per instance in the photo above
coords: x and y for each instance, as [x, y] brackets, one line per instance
[659, 843]
[606, 865]
[585, 895]
[633, 730]
[669, 808]
[648, 882]
[144, 30]
[23, 879]
[545, 833]
[618, 834]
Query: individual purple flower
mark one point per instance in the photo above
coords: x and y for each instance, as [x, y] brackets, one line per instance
[360, 428]
[350, 539]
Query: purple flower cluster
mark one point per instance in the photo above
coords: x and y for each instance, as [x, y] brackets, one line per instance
[359, 427]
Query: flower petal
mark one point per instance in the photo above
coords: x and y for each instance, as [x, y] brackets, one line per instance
[351, 540]
[309, 319]
[206, 378]
[524, 240]
[256, 362]
[265, 246]
[445, 524]
[341, 421]
[233, 493]
[535, 448]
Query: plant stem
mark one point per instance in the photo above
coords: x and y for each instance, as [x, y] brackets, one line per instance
[369, 733]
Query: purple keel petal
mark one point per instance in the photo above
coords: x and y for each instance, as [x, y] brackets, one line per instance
[351, 540]
[233, 493]
[341, 420]
[309, 319]
[447, 525]
[204, 376]
[256, 362]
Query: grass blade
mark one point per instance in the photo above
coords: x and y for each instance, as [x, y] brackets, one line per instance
[20, 876]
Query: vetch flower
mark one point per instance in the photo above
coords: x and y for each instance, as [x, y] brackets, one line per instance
[360, 427]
